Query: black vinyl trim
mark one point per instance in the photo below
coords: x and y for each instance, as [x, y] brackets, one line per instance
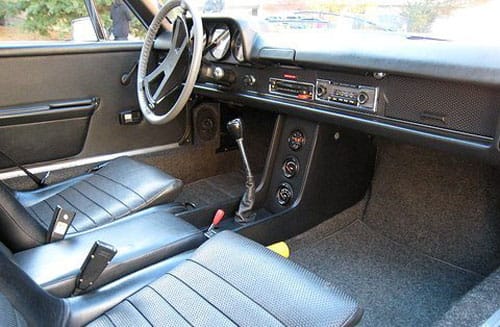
[43, 112]
[474, 145]
[28, 49]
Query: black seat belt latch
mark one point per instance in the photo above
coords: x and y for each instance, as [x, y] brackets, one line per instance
[61, 221]
[97, 260]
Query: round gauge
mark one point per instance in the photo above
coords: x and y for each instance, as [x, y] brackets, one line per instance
[296, 140]
[237, 49]
[221, 40]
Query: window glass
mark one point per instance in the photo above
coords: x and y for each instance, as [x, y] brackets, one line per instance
[65, 20]
[463, 20]
[49, 20]
[119, 22]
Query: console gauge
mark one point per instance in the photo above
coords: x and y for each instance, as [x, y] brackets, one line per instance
[296, 140]
[237, 49]
[221, 38]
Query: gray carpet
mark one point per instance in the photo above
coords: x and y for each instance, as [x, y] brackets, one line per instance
[426, 234]
[476, 306]
[396, 286]
[443, 205]
[215, 189]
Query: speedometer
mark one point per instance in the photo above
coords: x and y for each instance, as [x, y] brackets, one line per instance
[237, 48]
[221, 39]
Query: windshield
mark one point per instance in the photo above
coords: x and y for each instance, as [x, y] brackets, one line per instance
[465, 20]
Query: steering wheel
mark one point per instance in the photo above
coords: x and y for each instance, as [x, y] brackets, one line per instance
[186, 51]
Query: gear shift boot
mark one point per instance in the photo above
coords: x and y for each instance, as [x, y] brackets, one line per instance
[244, 213]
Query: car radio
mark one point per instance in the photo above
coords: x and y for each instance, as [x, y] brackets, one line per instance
[359, 96]
[293, 89]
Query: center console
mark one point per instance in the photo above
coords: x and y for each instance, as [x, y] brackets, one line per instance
[141, 240]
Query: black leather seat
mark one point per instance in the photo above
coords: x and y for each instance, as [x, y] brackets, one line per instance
[123, 186]
[228, 281]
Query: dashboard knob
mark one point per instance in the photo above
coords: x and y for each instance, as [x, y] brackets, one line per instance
[249, 80]
[362, 97]
[218, 73]
[321, 90]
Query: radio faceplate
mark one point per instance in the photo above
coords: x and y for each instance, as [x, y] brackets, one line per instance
[358, 96]
[292, 89]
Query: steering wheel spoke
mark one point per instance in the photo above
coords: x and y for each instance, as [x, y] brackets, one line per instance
[170, 75]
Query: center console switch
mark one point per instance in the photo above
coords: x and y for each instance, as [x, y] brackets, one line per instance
[141, 240]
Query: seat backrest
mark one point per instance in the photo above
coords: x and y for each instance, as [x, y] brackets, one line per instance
[24, 303]
[18, 229]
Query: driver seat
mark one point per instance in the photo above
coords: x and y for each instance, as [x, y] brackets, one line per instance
[112, 191]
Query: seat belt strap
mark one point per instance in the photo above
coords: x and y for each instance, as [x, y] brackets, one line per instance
[33, 177]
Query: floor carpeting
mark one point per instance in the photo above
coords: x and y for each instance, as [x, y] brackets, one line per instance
[443, 205]
[395, 285]
[476, 306]
[424, 236]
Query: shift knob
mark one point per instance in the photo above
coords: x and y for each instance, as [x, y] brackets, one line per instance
[235, 128]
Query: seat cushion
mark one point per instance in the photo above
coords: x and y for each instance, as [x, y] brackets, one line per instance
[123, 186]
[231, 280]
[141, 240]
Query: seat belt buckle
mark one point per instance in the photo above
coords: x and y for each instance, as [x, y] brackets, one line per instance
[97, 260]
[61, 221]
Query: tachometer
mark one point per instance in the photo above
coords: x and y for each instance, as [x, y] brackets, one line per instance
[237, 48]
[221, 40]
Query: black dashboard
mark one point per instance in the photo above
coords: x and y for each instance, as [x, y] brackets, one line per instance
[429, 92]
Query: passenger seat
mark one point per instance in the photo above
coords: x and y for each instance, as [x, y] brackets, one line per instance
[121, 187]
[228, 281]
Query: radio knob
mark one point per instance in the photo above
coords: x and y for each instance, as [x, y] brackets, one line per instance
[321, 91]
[362, 97]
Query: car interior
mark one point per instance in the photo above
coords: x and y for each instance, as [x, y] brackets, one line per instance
[216, 174]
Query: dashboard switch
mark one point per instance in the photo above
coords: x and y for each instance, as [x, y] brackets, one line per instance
[219, 73]
[249, 80]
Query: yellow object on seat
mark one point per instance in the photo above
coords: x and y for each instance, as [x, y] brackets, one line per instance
[281, 248]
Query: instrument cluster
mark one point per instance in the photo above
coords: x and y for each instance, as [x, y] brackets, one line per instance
[224, 43]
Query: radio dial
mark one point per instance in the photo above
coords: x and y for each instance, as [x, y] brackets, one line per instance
[362, 97]
[321, 90]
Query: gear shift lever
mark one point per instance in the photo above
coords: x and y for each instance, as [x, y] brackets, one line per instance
[244, 213]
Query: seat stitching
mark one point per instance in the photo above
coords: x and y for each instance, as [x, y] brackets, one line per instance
[205, 299]
[148, 202]
[123, 185]
[83, 213]
[109, 194]
[37, 217]
[109, 318]
[237, 289]
[164, 299]
[97, 204]
[140, 312]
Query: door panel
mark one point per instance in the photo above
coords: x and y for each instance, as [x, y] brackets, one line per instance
[33, 84]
